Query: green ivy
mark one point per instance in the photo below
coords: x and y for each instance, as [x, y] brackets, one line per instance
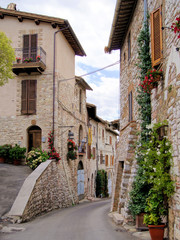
[140, 187]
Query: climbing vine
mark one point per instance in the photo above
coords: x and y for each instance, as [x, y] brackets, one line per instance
[140, 188]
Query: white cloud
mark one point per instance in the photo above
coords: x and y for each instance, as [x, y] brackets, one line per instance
[106, 98]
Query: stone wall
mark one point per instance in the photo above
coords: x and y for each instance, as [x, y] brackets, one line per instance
[45, 189]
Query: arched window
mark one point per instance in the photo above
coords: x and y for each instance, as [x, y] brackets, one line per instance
[34, 137]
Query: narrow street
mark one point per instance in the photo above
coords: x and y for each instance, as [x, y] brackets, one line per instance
[86, 221]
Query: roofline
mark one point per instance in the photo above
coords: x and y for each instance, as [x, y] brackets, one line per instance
[119, 9]
[61, 23]
[83, 83]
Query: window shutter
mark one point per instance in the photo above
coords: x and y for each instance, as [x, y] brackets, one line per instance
[156, 36]
[89, 151]
[24, 97]
[106, 160]
[33, 50]
[94, 152]
[32, 97]
[25, 46]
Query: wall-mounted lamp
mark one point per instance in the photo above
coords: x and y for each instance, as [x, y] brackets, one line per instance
[70, 135]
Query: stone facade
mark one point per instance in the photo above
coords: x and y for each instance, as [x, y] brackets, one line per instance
[164, 100]
[70, 92]
[103, 148]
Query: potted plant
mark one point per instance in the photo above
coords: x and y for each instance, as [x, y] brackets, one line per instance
[151, 80]
[38, 58]
[27, 60]
[17, 153]
[72, 154]
[4, 153]
[157, 170]
[18, 59]
[35, 157]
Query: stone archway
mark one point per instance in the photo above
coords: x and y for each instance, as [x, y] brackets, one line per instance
[80, 180]
[34, 137]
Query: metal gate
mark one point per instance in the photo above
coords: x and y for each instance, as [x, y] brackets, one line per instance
[80, 182]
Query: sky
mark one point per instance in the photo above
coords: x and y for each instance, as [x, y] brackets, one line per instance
[91, 21]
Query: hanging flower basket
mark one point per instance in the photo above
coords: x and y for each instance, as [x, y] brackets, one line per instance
[71, 150]
[151, 80]
[176, 26]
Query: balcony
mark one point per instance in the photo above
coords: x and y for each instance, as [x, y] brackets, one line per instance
[29, 61]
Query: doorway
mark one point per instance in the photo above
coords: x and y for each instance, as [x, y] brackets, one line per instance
[34, 137]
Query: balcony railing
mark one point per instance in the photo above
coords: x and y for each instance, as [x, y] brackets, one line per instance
[29, 60]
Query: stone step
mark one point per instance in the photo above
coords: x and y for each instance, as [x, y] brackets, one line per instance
[117, 218]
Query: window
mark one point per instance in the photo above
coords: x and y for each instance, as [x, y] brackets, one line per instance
[156, 36]
[103, 134]
[28, 97]
[30, 46]
[129, 46]
[94, 131]
[110, 140]
[94, 152]
[130, 106]
[101, 158]
[80, 101]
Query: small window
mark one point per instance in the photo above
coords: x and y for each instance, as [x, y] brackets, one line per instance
[103, 134]
[156, 36]
[94, 152]
[129, 46]
[101, 158]
[130, 106]
[80, 101]
[28, 97]
[110, 140]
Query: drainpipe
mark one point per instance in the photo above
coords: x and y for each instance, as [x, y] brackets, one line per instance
[145, 10]
[54, 68]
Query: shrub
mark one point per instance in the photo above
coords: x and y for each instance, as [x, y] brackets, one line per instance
[17, 152]
[101, 184]
[36, 157]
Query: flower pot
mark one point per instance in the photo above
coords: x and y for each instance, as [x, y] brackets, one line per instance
[140, 222]
[17, 162]
[18, 60]
[156, 231]
[2, 160]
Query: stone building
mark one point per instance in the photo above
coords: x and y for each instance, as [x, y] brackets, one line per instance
[45, 94]
[101, 152]
[127, 23]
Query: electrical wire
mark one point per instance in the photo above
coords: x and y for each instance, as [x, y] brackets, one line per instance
[98, 70]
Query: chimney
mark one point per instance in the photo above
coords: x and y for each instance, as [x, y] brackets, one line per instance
[11, 6]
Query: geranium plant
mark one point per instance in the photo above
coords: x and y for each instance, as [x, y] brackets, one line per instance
[176, 26]
[18, 59]
[27, 60]
[53, 154]
[38, 58]
[72, 154]
[150, 81]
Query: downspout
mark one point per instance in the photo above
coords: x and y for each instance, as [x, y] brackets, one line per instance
[145, 10]
[54, 66]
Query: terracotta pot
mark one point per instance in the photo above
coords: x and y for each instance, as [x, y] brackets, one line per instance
[2, 160]
[156, 231]
[16, 162]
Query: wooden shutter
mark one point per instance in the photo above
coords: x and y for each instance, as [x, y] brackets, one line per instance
[156, 36]
[106, 160]
[24, 97]
[33, 47]
[89, 151]
[94, 152]
[25, 46]
[130, 106]
[32, 97]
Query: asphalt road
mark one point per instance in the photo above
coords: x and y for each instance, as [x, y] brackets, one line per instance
[86, 221]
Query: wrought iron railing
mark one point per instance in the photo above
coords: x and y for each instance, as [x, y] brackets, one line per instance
[30, 55]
